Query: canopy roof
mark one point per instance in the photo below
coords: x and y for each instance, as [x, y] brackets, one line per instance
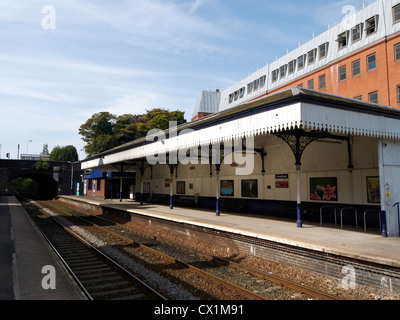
[289, 109]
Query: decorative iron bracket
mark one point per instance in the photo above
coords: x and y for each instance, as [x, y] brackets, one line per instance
[298, 140]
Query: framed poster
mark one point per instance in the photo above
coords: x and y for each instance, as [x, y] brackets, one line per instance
[282, 181]
[250, 188]
[373, 190]
[227, 188]
[323, 189]
[180, 187]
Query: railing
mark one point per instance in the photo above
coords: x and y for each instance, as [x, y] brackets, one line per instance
[341, 215]
[365, 218]
[327, 207]
[398, 212]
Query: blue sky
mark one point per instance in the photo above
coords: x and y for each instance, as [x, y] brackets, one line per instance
[129, 56]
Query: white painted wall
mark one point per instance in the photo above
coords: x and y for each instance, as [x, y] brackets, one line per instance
[389, 155]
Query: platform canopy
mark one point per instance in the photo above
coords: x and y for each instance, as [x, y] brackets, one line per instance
[294, 108]
[298, 116]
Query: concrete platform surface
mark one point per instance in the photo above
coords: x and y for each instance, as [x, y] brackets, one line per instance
[23, 255]
[353, 244]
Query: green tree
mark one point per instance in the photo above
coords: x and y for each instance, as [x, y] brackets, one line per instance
[41, 165]
[159, 119]
[45, 151]
[104, 130]
[67, 153]
[97, 132]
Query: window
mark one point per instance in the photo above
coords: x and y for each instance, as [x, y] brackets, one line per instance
[356, 68]
[373, 97]
[358, 98]
[342, 40]
[323, 50]
[311, 84]
[262, 81]
[356, 32]
[241, 92]
[397, 52]
[292, 66]
[274, 75]
[90, 183]
[322, 82]
[398, 93]
[396, 13]
[342, 73]
[250, 88]
[371, 62]
[282, 71]
[236, 95]
[98, 185]
[371, 25]
[301, 61]
[311, 56]
[256, 84]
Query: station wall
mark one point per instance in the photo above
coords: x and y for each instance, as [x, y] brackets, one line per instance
[321, 160]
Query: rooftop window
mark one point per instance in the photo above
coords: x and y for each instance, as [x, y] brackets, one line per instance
[312, 56]
[275, 75]
[342, 40]
[262, 81]
[323, 50]
[356, 32]
[371, 25]
[396, 13]
[301, 61]
[282, 71]
[292, 66]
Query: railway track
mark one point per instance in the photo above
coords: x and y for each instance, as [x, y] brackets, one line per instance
[100, 277]
[219, 269]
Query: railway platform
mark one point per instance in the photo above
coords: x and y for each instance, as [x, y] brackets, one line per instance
[354, 244]
[24, 260]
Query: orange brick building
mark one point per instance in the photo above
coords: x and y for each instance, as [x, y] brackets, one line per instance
[358, 58]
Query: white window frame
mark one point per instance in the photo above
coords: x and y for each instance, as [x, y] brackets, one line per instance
[241, 92]
[319, 81]
[292, 66]
[310, 84]
[359, 68]
[359, 33]
[397, 6]
[274, 75]
[368, 25]
[368, 63]
[249, 87]
[301, 61]
[370, 96]
[397, 52]
[325, 47]
[312, 56]
[282, 71]
[343, 40]
[342, 75]
[262, 81]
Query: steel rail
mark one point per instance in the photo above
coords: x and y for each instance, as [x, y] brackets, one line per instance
[97, 251]
[275, 279]
[246, 293]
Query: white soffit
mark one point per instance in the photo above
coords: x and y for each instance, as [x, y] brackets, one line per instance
[342, 121]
